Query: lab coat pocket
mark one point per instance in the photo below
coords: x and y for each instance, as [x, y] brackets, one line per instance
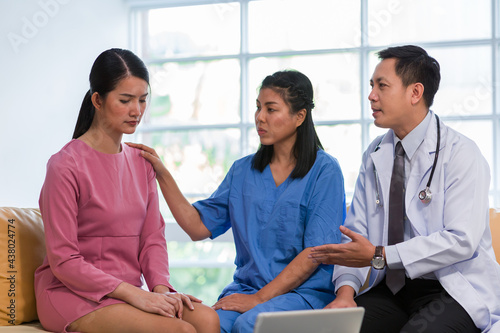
[482, 280]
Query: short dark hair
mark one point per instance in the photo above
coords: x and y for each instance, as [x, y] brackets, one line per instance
[110, 67]
[413, 65]
[296, 90]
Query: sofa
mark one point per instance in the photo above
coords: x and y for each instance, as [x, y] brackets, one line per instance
[23, 242]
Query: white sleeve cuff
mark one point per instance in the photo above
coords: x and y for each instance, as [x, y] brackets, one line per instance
[392, 257]
[348, 280]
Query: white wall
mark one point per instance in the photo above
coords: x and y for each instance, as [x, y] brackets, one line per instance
[47, 48]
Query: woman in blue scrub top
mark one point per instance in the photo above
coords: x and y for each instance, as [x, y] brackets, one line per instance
[281, 201]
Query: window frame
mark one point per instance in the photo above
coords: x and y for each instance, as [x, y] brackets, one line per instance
[364, 50]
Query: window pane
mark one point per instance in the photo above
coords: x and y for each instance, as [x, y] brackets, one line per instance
[395, 22]
[203, 283]
[253, 140]
[334, 138]
[198, 159]
[201, 269]
[375, 131]
[497, 81]
[192, 93]
[201, 92]
[344, 143]
[192, 31]
[281, 25]
[466, 81]
[497, 20]
[373, 61]
[482, 134]
[335, 79]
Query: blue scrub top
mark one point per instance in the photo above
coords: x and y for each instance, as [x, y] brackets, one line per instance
[273, 224]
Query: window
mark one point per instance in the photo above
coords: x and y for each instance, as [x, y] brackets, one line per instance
[207, 58]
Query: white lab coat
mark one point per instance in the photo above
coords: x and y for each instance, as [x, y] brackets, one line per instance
[453, 238]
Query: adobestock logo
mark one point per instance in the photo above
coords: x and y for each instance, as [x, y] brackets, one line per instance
[31, 27]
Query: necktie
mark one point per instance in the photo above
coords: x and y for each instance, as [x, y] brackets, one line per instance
[395, 278]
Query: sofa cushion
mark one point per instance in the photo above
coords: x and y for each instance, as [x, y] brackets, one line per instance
[22, 252]
[33, 327]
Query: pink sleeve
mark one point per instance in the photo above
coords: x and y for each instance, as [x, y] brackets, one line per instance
[153, 255]
[59, 207]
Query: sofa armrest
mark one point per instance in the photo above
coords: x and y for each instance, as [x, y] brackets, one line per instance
[22, 251]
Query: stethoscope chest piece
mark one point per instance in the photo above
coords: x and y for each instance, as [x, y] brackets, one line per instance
[425, 195]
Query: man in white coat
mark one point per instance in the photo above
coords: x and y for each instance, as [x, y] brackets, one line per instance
[441, 275]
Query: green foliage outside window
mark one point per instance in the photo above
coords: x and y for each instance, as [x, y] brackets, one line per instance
[201, 269]
[203, 283]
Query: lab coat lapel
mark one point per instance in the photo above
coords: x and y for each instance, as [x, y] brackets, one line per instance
[381, 158]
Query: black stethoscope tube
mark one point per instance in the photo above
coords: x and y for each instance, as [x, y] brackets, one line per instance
[425, 195]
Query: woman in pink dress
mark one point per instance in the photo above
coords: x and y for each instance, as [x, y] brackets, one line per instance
[103, 228]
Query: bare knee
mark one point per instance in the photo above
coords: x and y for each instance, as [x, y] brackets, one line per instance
[203, 318]
[211, 319]
[185, 327]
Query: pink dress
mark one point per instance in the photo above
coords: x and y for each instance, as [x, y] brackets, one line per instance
[102, 226]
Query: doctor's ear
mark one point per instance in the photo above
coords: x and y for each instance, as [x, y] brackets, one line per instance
[417, 92]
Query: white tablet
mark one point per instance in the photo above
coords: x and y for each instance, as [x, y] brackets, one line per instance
[345, 320]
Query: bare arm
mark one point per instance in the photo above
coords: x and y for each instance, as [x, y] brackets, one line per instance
[184, 213]
[344, 299]
[297, 271]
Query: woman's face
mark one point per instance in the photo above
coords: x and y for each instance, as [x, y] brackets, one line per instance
[121, 110]
[274, 122]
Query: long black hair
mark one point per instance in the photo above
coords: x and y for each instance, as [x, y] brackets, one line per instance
[296, 90]
[108, 69]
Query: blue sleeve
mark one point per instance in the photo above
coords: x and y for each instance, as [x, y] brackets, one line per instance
[326, 210]
[214, 211]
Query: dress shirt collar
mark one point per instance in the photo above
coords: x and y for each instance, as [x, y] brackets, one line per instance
[414, 139]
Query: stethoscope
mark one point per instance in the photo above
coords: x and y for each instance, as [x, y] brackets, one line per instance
[425, 195]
